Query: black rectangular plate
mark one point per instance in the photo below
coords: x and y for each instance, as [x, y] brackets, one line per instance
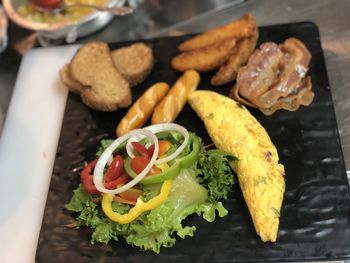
[315, 217]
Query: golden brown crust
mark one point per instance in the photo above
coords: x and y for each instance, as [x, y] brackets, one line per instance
[142, 109]
[72, 84]
[134, 62]
[243, 27]
[93, 66]
[261, 177]
[204, 59]
[171, 105]
[240, 56]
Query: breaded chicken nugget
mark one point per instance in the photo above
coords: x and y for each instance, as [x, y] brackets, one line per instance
[261, 178]
[204, 59]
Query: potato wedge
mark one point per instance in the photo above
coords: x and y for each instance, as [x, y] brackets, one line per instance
[239, 58]
[204, 59]
[243, 27]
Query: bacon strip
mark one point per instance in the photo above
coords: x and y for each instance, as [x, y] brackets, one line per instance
[274, 78]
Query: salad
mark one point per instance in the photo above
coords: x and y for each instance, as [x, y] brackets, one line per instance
[145, 183]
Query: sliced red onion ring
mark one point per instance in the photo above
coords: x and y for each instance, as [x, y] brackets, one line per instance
[102, 161]
[159, 128]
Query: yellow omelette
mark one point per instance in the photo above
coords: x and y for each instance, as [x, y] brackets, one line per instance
[261, 178]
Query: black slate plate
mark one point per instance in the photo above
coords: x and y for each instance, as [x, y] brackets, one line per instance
[315, 217]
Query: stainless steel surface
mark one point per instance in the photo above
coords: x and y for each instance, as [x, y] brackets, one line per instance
[63, 30]
[117, 11]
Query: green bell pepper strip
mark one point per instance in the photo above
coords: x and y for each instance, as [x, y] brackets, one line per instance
[174, 170]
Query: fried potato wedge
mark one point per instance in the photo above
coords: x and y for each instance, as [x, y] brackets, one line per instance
[261, 177]
[243, 27]
[240, 56]
[204, 59]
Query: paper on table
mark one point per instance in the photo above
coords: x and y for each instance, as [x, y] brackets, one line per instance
[27, 150]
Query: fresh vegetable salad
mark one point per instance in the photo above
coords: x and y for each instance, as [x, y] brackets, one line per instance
[145, 183]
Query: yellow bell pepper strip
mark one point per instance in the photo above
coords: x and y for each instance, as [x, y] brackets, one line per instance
[139, 207]
[175, 168]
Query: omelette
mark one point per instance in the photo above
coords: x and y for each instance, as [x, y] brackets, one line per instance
[261, 177]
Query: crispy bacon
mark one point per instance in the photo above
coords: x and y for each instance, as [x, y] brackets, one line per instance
[303, 95]
[274, 78]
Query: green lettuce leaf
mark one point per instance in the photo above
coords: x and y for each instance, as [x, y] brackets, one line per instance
[217, 174]
[196, 190]
[158, 227]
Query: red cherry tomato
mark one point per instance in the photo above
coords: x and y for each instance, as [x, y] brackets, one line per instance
[123, 179]
[47, 4]
[141, 150]
[87, 178]
[132, 194]
[139, 163]
[115, 169]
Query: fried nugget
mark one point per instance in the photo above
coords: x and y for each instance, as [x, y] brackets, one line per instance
[261, 177]
[243, 27]
[239, 58]
[204, 59]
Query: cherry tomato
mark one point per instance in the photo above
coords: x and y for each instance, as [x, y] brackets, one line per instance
[139, 163]
[123, 179]
[115, 169]
[47, 4]
[132, 194]
[87, 178]
[141, 150]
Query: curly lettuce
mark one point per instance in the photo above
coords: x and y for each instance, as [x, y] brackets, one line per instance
[196, 190]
